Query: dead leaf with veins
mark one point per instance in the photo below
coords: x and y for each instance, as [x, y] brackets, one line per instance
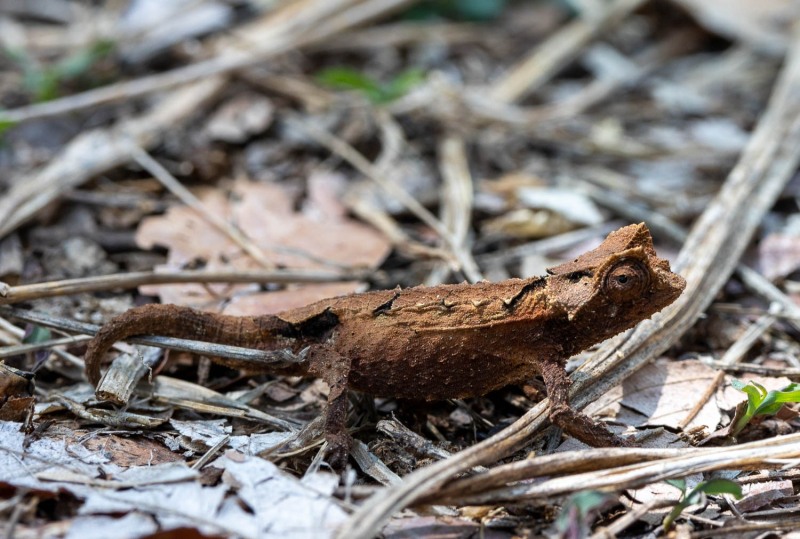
[319, 236]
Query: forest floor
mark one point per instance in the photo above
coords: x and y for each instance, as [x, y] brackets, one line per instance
[248, 157]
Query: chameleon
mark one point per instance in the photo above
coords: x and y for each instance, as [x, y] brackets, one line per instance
[439, 342]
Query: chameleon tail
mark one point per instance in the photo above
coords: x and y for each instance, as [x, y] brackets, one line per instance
[259, 332]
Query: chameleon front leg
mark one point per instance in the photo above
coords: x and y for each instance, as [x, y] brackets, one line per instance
[334, 369]
[572, 422]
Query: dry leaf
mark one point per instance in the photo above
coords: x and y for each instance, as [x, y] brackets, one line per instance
[318, 237]
[662, 394]
[779, 255]
[16, 393]
[764, 25]
[758, 495]
[240, 118]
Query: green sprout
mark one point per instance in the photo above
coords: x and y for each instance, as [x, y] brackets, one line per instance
[5, 125]
[345, 78]
[760, 402]
[461, 10]
[577, 515]
[36, 335]
[697, 495]
[43, 82]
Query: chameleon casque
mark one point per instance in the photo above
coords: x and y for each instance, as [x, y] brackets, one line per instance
[440, 342]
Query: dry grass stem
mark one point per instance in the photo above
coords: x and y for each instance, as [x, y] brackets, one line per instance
[556, 52]
[341, 148]
[11, 351]
[771, 453]
[17, 294]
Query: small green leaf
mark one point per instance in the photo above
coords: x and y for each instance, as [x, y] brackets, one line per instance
[578, 512]
[679, 484]
[754, 398]
[589, 499]
[5, 125]
[36, 334]
[712, 487]
[345, 78]
[769, 405]
[82, 61]
[753, 394]
[404, 82]
[761, 389]
[720, 486]
[787, 396]
[762, 402]
[470, 10]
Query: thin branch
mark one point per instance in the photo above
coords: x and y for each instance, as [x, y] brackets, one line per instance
[28, 292]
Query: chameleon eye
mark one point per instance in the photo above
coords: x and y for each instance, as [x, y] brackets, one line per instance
[626, 280]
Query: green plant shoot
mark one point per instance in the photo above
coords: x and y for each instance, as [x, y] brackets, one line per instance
[761, 402]
[697, 495]
[345, 78]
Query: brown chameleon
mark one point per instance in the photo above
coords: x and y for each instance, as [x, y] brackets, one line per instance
[440, 342]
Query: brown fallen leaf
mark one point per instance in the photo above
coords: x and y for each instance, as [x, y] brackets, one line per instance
[318, 236]
[16, 394]
[758, 495]
[779, 255]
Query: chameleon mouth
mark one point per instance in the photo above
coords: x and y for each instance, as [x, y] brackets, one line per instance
[673, 285]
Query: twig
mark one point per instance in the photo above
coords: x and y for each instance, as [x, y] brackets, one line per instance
[125, 372]
[356, 159]
[557, 51]
[629, 519]
[485, 108]
[15, 350]
[16, 294]
[456, 205]
[763, 370]
[550, 245]
[202, 461]
[403, 34]
[751, 456]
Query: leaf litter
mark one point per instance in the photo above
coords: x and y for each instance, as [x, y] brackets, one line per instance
[663, 145]
[318, 236]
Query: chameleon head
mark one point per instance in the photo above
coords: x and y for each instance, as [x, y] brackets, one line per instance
[616, 285]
